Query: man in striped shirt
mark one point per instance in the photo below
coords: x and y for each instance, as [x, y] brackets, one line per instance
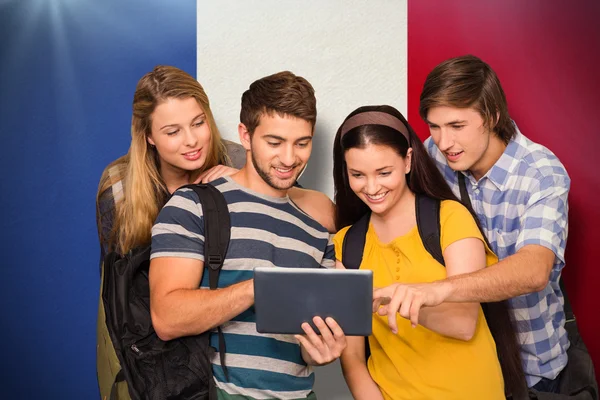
[277, 123]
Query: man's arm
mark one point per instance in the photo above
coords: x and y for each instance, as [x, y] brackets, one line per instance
[541, 240]
[179, 308]
[524, 272]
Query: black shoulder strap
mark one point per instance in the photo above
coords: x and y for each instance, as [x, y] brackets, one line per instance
[354, 243]
[217, 229]
[462, 187]
[428, 224]
[217, 232]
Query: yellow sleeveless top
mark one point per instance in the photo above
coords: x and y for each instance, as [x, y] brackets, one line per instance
[418, 363]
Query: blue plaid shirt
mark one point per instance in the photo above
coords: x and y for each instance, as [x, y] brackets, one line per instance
[522, 200]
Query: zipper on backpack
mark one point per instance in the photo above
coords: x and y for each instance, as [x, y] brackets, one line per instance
[136, 350]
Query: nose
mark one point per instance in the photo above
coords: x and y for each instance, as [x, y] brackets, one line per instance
[446, 139]
[372, 186]
[288, 155]
[191, 139]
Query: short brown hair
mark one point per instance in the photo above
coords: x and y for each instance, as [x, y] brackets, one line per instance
[282, 93]
[465, 82]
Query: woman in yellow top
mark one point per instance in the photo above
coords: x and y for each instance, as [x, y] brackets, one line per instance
[379, 166]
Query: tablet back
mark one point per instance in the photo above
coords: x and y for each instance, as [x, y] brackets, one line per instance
[284, 298]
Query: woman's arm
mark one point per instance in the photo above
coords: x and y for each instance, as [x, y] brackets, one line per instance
[456, 320]
[316, 204]
[354, 367]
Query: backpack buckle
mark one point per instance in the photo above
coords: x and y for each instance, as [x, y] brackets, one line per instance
[215, 261]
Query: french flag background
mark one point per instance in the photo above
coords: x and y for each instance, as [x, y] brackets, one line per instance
[68, 71]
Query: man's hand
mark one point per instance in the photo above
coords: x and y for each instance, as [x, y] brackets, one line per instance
[325, 348]
[407, 300]
[215, 172]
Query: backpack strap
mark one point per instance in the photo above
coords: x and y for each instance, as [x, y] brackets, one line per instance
[428, 224]
[217, 229]
[354, 243]
[462, 187]
[217, 232]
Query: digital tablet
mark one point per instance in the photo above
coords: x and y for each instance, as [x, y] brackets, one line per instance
[284, 298]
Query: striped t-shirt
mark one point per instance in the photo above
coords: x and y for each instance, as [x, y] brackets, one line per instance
[265, 231]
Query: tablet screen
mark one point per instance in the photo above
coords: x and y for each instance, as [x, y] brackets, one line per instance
[286, 297]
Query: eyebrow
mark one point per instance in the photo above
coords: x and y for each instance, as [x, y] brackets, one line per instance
[193, 119]
[455, 122]
[378, 169]
[277, 137]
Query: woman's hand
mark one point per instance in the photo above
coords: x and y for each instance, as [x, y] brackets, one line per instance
[215, 172]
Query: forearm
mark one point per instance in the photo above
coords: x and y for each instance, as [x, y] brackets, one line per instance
[185, 312]
[455, 320]
[523, 272]
[357, 376]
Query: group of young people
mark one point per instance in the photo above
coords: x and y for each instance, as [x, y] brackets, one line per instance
[486, 324]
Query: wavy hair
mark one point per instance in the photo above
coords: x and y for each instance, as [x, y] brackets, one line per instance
[144, 190]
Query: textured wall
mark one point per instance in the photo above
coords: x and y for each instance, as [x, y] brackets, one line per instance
[337, 45]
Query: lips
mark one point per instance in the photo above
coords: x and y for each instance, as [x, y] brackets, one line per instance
[193, 155]
[284, 173]
[453, 156]
[376, 198]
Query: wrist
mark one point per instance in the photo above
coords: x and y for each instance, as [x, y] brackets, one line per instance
[447, 289]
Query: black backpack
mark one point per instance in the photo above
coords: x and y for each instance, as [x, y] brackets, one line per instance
[152, 368]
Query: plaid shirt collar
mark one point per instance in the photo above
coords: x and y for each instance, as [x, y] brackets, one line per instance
[506, 165]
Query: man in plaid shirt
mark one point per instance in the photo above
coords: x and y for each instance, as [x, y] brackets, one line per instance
[519, 190]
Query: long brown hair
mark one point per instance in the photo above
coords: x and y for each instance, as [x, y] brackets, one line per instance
[144, 190]
[423, 178]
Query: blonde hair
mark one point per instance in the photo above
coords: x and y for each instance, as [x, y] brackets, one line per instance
[144, 190]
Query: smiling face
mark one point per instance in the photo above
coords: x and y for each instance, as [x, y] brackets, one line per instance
[280, 148]
[377, 175]
[461, 135]
[181, 134]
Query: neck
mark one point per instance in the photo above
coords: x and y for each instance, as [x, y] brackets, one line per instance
[493, 153]
[174, 178]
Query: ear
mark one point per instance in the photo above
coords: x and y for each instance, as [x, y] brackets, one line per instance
[408, 160]
[244, 136]
[150, 141]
